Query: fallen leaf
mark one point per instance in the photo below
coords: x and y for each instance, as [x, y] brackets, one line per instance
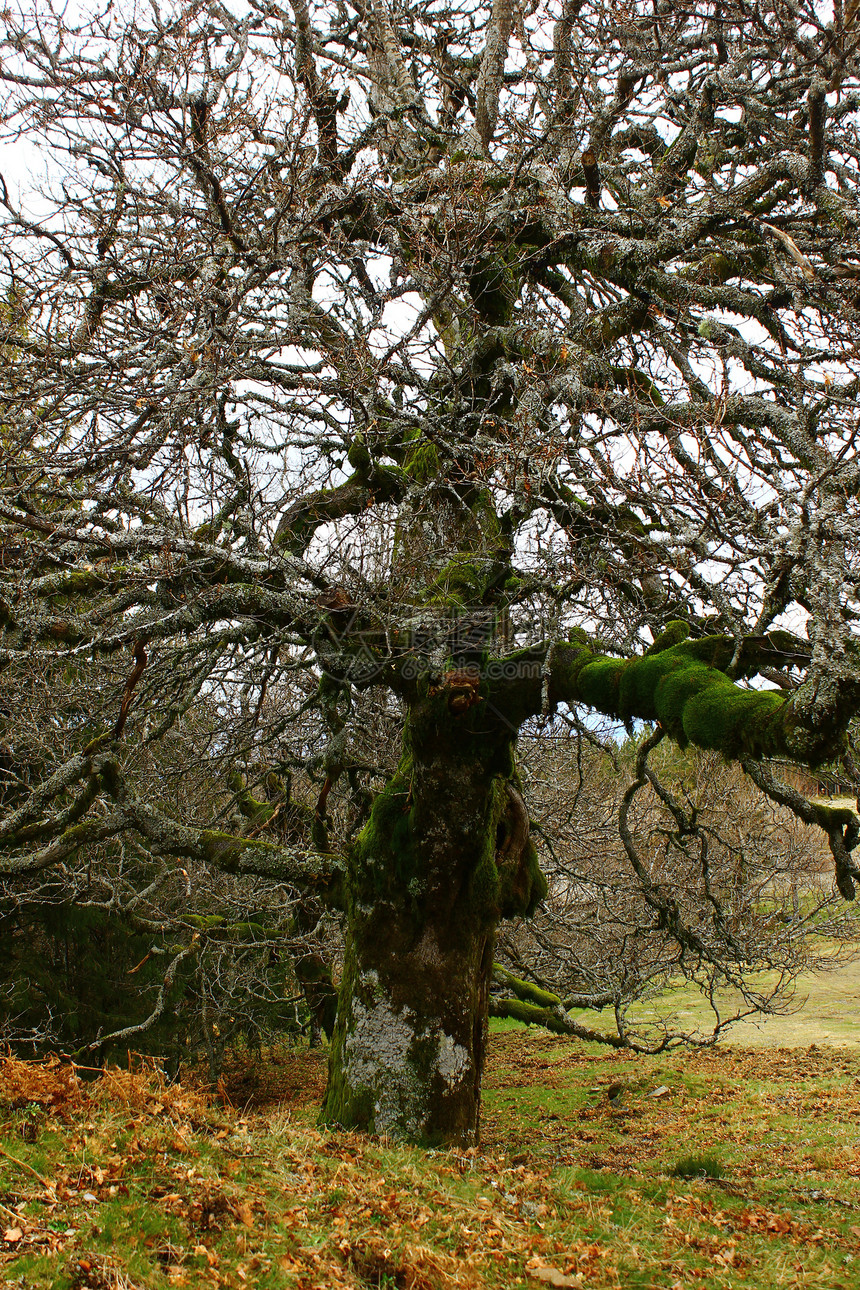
[552, 1277]
[12, 1234]
[727, 1257]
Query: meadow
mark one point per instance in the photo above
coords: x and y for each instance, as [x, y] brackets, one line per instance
[729, 1167]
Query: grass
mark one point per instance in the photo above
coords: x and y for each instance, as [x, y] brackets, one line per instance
[706, 1166]
[126, 1182]
[823, 1011]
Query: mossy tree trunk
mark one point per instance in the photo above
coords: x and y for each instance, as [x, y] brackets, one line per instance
[445, 855]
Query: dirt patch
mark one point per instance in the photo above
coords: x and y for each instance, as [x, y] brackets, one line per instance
[283, 1077]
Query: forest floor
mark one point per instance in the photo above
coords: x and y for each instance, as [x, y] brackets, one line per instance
[733, 1167]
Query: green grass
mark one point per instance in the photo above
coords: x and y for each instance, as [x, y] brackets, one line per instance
[706, 1167]
[144, 1185]
[823, 1010]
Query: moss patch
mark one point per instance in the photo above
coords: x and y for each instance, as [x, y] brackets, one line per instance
[683, 687]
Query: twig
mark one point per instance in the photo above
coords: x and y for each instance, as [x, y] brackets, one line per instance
[134, 677]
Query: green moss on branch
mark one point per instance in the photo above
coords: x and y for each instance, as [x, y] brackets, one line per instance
[684, 687]
[559, 1023]
[526, 991]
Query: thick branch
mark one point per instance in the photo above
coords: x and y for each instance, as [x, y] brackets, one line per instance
[231, 854]
[362, 489]
[492, 68]
[684, 686]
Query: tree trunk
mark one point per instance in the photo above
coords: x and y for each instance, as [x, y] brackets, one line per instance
[408, 1053]
[445, 855]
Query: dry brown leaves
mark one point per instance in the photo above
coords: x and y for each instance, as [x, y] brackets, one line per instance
[644, 1127]
[338, 1210]
[284, 1078]
[98, 1272]
[51, 1084]
[58, 1086]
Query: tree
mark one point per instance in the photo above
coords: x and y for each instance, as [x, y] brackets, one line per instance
[699, 827]
[118, 946]
[486, 362]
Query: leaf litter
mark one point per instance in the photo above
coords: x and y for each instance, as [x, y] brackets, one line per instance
[133, 1182]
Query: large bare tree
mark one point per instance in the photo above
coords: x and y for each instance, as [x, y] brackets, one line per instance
[493, 360]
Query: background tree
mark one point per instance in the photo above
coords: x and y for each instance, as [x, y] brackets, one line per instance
[118, 946]
[493, 362]
[593, 962]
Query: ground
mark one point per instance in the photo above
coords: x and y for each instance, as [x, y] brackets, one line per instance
[126, 1182]
[824, 1012]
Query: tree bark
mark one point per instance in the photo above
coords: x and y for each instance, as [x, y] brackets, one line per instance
[450, 831]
